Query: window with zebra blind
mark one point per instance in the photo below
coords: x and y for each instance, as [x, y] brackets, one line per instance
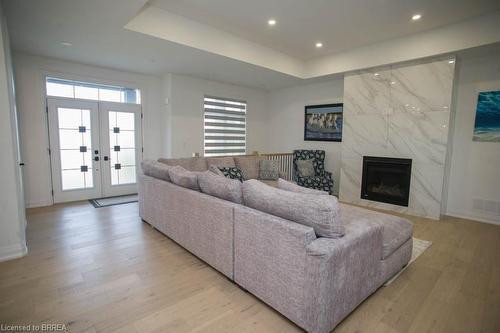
[224, 126]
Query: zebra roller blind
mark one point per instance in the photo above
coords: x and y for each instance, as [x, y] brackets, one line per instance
[225, 126]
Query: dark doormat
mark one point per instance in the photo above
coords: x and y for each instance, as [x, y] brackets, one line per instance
[113, 201]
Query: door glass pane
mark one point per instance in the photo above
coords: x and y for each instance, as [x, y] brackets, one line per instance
[71, 159]
[75, 148]
[69, 118]
[127, 157]
[69, 139]
[126, 139]
[122, 146]
[72, 179]
[125, 120]
[114, 176]
[127, 175]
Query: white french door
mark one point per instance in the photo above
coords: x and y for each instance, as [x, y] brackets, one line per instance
[95, 148]
[121, 147]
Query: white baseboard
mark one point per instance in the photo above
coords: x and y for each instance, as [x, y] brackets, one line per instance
[474, 218]
[13, 251]
[39, 204]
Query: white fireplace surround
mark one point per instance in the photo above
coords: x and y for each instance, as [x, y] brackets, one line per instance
[400, 112]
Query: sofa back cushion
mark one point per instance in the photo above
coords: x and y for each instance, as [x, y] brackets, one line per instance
[321, 212]
[220, 186]
[190, 163]
[249, 166]
[226, 161]
[289, 186]
[184, 178]
[215, 170]
[155, 169]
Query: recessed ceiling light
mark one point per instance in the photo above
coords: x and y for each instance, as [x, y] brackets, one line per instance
[319, 44]
[393, 82]
[376, 74]
[416, 17]
[451, 61]
[271, 22]
[66, 43]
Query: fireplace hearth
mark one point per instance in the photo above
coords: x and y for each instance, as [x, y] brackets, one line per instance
[386, 180]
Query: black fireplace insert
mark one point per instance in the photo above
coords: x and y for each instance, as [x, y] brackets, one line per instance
[386, 180]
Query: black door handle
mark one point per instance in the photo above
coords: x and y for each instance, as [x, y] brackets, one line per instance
[21, 164]
[106, 158]
[96, 158]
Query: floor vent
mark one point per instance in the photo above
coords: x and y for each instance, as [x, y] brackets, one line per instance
[486, 206]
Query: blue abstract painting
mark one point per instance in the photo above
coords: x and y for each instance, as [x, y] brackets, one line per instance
[487, 124]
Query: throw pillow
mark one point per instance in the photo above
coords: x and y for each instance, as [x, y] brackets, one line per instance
[220, 187]
[321, 212]
[269, 170]
[289, 186]
[249, 166]
[155, 169]
[305, 167]
[232, 172]
[184, 178]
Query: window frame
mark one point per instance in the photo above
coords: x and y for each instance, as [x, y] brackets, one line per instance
[74, 83]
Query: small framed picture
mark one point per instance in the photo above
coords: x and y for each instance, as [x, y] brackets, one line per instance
[323, 122]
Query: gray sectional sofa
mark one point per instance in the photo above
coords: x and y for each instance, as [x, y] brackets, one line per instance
[314, 281]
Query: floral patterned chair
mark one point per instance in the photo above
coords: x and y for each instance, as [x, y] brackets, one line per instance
[322, 180]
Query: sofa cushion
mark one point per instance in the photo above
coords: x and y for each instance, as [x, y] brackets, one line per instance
[215, 170]
[220, 186]
[190, 163]
[289, 186]
[273, 183]
[184, 178]
[155, 169]
[232, 173]
[269, 169]
[227, 161]
[305, 167]
[249, 166]
[321, 212]
[395, 230]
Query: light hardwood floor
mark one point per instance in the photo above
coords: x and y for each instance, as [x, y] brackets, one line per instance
[104, 270]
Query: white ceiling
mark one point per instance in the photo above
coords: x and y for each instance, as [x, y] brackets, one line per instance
[340, 24]
[96, 30]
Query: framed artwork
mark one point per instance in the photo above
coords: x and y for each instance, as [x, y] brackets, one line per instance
[487, 123]
[323, 122]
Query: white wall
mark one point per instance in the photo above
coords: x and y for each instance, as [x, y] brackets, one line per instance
[185, 113]
[286, 120]
[30, 72]
[12, 219]
[173, 130]
[475, 166]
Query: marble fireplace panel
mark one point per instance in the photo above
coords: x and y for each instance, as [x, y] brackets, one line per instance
[401, 112]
